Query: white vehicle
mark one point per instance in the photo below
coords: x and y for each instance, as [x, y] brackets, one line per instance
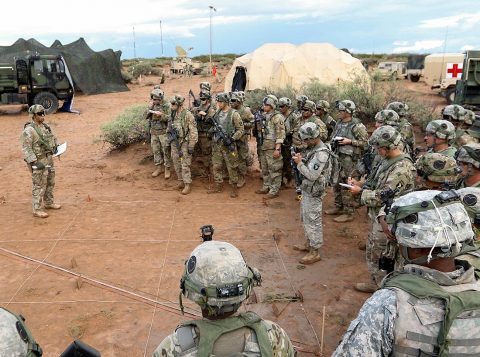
[392, 70]
[441, 72]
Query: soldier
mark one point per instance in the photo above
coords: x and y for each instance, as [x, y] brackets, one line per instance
[203, 116]
[245, 159]
[271, 160]
[456, 114]
[158, 114]
[16, 340]
[436, 172]
[404, 126]
[323, 107]
[431, 307]
[394, 177]
[224, 149]
[438, 136]
[352, 138]
[468, 158]
[285, 106]
[308, 111]
[217, 278]
[301, 99]
[470, 197]
[183, 135]
[38, 145]
[315, 169]
[469, 136]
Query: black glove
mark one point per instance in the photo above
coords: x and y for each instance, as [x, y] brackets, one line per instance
[190, 150]
[37, 165]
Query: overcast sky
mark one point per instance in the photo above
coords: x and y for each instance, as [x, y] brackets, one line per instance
[363, 26]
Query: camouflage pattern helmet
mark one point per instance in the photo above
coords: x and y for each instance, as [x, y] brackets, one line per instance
[388, 117]
[436, 167]
[205, 86]
[177, 100]
[310, 105]
[469, 154]
[217, 278]
[270, 100]
[429, 219]
[309, 131]
[323, 105]
[157, 94]
[302, 98]
[156, 86]
[346, 106]
[469, 116]
[400, 108]
[205, 95]
[11, 343]
[284, 101]
[453, 112]
[442, 129]
[237, 96]
[470, 197]
[386, 137]
[474, 130]
[223, 97]
[35, 109]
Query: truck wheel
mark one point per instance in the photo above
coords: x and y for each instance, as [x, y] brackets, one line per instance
[450, 95]
[414, 78]
[48, 101]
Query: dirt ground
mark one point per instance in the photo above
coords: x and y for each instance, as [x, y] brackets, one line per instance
[119, 228]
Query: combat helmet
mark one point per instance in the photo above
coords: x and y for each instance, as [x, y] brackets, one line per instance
[386, 137]
[436, 167]
[270, 100]
[36, 109]
[15, 337]
[157, 94]
[205, 86]
[223, 97]
[217, 278]
[474, 130]
[323, 105]
[237, 96]
[470, 197]
[388, 117]
[301, 99]
[469, 154]
[345, 106]
[309, 131]
[469, 118]
[177, 100]
[442, 129]
[310, 105]
[284, 101]
[431, 219]
[453, 112]
[400, 108]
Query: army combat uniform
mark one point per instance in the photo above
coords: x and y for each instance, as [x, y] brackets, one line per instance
[245, 159]
[297, 141]
[204, 145]
[158, 133]
[290, 119]
[38, 145]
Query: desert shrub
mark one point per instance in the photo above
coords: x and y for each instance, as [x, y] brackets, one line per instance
[127, 128]
[127, 77]
[141, 68]
[156, 71]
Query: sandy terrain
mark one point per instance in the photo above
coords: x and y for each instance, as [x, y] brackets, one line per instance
[121, 227]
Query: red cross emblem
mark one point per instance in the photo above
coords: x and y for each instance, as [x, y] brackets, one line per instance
[454, 70]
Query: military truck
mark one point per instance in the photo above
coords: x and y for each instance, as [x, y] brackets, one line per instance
[392, 70]
[441, 72]
[467, 89]
[36, 79]
[415, 65]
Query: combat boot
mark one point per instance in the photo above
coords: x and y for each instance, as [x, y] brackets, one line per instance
[180, 186]
[271, 196]
[305, 247]
[241, 182]
[187, 189]
[262, 191]
[216, 189]
[362, 245]
[40, 214]
[53, 206]
[157, 171]
[366, 287]
[167, 173]
[312, 256]
[344, 218]
[234, 191]
[334, 211]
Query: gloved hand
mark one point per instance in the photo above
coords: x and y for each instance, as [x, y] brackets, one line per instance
[37, 165]
[190, 150]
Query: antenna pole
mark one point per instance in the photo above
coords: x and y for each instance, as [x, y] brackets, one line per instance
[211, 13]
[161, 35]
[134, 48]
[444, 65]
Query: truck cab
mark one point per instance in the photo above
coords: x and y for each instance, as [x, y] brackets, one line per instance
[467, 90]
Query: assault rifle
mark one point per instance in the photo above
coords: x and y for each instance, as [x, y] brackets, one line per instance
[196, 102]
[296, 173]
[223, 136]
[173, 137]
[367, 159]
[416, 153]
[259, 127]
[387, 196]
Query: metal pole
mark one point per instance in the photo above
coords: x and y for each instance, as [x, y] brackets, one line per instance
[161, 35]
[211, 13]
[134, 49]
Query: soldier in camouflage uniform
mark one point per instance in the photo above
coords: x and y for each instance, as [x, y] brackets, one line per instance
[38, 145]
[308, 111]
[439, 134]
[16, 340]
[323, 107]
[230, 123]
[158, 114]
[468, 158]
[217, 278]
[352, 139]
[271, 160]
[301, 99]
[436, 172]
[315, 169]
[394, 176]
[183, 124]
[425, 309]
[245, 159]
[404, 127]
[285, 106]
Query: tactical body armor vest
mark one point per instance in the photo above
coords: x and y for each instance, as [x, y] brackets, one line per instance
[46, 144]
[270, 132]
[158, 126]
[317, 188]
[345, 130]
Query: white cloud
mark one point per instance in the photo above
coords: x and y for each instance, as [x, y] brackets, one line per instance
[419, 46]
[467, 48]
[400, 43]
[461, 20]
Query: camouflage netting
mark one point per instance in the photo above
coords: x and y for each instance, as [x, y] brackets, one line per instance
[92, 72]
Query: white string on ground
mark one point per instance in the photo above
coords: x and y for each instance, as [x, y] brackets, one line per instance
[160, 280]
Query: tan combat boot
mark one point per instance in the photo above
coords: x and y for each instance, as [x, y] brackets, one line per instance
[53, 206]
[362, 245]
[366, 287]
[312, 256]
[216, 189]
[262, 191]
[157, 171]
[40, 214]
[180, 186]
[234, 191]
[241, 182]
[334, 211]
[167, 173]
[344, 218]
[305, 247]
[271, 196]
[187, 189]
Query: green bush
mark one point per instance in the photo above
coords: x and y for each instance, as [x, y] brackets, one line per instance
[127, 77]
[127, 128]
[156, 71]
[141, 68]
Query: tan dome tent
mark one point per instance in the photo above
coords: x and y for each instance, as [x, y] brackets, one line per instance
[276, 65]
